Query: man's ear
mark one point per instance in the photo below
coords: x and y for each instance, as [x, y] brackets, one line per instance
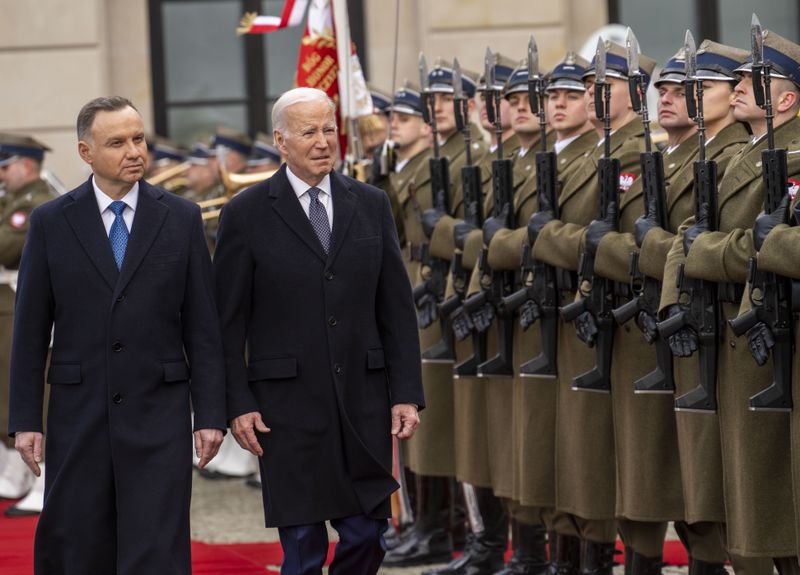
[85, 152]
[280, 141]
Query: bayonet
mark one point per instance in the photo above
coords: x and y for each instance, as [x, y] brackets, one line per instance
[458, 91]
[423, 73]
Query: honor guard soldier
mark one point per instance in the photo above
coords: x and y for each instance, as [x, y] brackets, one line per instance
[430, 453]
[265, 156]
[697, 434]
[756, 444]
[202, 177]
[166, 154]
[374, 128]
[21, 160]
[585, 468]
[236, 148]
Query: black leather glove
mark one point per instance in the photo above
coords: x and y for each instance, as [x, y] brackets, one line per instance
[586, 328]
[598, 229]
[765, 223]
[430, 218]
[760, 340]
[529, 312]
[482, 317]
[495, 223]
[647, 325]
[461, 230]
[700, 226]
[682, 343]
[644, 224]
[427, 310]
[537, 221]
[462, 324]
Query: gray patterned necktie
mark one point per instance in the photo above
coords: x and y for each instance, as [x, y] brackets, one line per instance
[319, 218]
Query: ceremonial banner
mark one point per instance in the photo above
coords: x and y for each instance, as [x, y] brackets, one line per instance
[292, 15]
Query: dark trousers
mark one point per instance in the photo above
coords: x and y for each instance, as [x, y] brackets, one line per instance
[360, 549]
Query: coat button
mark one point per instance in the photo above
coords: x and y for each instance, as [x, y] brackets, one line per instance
[329, 275]
[332, 321]
[116, 398]
[337, 369]
[116, 347]
[120, 297]
[733, 343]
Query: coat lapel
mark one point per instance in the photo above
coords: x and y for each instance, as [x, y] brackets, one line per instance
[344, 203]
[147, 222]
[291, 212]
[83, 216]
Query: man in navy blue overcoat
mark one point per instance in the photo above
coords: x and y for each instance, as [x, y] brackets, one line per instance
[120, 272]
[321, 344]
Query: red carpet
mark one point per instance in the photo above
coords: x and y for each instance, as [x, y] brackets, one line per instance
[16, 552]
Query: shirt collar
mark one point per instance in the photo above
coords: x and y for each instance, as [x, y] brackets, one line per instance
[300, 187]
[103, 200]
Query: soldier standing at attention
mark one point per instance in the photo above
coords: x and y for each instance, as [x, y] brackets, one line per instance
[21, 160]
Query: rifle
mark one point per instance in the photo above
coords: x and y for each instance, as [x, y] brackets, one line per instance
[539, 292]
[702, 312]
[434, 270]
[599, 299]
[496, 284]
[473, 213]
[774, 307]
[647, 290]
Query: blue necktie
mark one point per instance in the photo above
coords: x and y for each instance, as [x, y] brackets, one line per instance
[319, 218]
[118, 235]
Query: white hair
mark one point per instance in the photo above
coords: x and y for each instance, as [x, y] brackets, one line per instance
[292, 97]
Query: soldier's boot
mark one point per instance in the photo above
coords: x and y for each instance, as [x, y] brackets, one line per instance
[698, 567]
[642, 565]
[33, 502]
[565, 554]
[429, 539]
[486, 546]
[786, 565]
[596, 558]
[530, 551]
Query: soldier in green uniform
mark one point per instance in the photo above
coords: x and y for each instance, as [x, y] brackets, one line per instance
[430, 453]
[585, 450]
[756, 446]
[697, 434]
[533, 399]
[23, 189]
[265, 156]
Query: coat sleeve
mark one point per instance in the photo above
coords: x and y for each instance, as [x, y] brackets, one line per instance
[655, 247]
[559, 244]
[505, 250]
[613, 256]
[233, 270]
[721, 256]
[397, 320]
[33, 322]
[201, 336]
[779, 252]
[670, 294]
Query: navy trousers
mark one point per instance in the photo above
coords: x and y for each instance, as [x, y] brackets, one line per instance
[360, 549]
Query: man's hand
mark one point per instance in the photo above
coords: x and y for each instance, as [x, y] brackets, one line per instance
[598, 229]
[760, 340]
[430, 218]
[586, 328]
[461, 231]
[29, 445]
[700, 226]
[494, 224]
[765, 223]
[405, 420]
[206, 445]
[244, 430]
[645, 223]
[647, 324]
[537, 222]
[684, 342]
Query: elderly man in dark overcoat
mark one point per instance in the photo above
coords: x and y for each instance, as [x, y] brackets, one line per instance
[321, 344]
[119, 271]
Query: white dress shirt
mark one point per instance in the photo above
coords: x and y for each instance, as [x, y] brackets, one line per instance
[301, 188]
[103, 201]
[561, 144]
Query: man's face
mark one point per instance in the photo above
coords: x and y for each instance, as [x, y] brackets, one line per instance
[519, 110]
[505, 113]
[445, 114]
[620, 98]
[310, 142]
[116, 149]
[17, 174]
[235, 162]
[566, 109]
[672, 114]
[717, 97]
[407, 129]
[200, 177]
[744, 103]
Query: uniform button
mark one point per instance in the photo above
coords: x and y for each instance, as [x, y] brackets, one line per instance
[733, 343]
[116, 398]
[120, 297]
[116, 347]
[329, 275]
[332, 321]
[337, 369]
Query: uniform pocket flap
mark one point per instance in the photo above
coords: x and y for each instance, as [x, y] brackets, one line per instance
[275, 368]
[64, 373]
[375, 359]
[176, 371]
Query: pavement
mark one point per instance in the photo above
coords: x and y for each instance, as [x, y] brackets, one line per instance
[229, 511]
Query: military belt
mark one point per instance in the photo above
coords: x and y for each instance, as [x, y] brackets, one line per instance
[730, 292]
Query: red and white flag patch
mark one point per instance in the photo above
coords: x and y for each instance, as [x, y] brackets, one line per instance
[18, 220]
[792, 187]
[626, 180]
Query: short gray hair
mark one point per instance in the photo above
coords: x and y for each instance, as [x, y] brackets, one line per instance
[102, 104]
[292, 97]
